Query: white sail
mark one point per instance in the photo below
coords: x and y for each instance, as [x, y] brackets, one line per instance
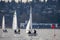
[29, 25]
[31, 17]
[10, 0]
[3, 23]
[14, 21]
[16, 1]
[6, 1]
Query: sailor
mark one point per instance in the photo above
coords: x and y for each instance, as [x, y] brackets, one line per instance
[15, 31]
[34, 31]
[29, 32]
[18, 30]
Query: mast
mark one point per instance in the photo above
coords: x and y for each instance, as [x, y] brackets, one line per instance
[31, 17]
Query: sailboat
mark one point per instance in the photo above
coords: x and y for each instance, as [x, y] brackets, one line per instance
[15, 27]
[29, 25]
[3, 25]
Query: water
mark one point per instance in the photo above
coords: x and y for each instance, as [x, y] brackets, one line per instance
[42, 34]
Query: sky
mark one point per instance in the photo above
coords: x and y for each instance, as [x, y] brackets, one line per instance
[16, 0]
[20, 0]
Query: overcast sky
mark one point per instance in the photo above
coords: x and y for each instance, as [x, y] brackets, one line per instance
[20, 0]
[16, 0]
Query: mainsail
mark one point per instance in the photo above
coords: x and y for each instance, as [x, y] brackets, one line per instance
[3, 23]
[29, 25]
[14, 21]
